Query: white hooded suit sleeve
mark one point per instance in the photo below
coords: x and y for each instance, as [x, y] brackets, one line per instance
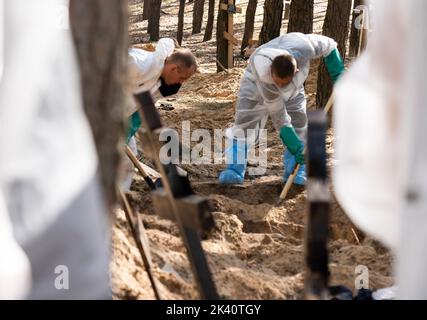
[322, 45]
[145, 67]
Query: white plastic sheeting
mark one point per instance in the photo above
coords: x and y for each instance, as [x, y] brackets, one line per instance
[15, 271]
[45, 138]
[47, 155]
[380, 177]
[1, 38]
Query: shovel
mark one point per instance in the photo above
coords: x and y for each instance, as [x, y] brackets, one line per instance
[291, 178]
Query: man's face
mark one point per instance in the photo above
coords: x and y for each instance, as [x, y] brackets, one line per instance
[282, 82]
[174, 74]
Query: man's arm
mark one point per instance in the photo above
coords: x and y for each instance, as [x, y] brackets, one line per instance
[335, 65]
[135, 120]
[273, 101]
[283, 124]
[327, 48]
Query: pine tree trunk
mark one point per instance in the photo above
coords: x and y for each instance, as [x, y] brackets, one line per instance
[154, 20]
[101, 46]
[198, 9]
[355, 32]
[209, 24]
[273, 10]
[146, 9]
[249, 24]
[336, 27]
[287, 9]
[221, 42]
[301, 16]
[180, 32]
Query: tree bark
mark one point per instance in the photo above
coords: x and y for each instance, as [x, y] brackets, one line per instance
[336, 27]
[209, 24]
[287, 9]
[301, 16]
[249, 24]
[273, 10]
[145, 12]
[198, 10]
[180, 32]
[154, 20]
[221, 42]
[355, 32]
[101, 46]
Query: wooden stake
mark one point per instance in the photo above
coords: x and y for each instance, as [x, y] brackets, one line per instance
[229, 34]
[363, 35]
[141, 239]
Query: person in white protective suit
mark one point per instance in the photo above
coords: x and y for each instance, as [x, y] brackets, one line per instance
[273, 84]
[380, 177]
[162, 73]
[53, 212]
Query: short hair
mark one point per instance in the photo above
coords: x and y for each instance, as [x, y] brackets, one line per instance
[184, 58]
[284, 66]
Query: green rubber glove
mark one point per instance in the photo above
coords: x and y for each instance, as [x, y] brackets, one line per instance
[291, 140]
[334, 64]
[134, 124]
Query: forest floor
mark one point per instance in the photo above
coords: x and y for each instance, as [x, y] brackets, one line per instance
[257, 248]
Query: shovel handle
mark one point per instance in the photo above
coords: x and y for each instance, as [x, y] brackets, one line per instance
[291, 178]
[289, 183]
[141, 170]
[330, 103]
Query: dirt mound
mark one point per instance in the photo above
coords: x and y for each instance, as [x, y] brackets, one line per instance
[256, 250]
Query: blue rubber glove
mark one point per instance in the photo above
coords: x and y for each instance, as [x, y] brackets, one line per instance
[335, 65]
[291, 140]
[236, 157]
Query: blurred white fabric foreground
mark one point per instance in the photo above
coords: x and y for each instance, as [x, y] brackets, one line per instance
[15, 274]
[380, 118]
[1, 38]
[47, 160]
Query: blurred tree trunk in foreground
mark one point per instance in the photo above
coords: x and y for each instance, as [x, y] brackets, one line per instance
[101, 46]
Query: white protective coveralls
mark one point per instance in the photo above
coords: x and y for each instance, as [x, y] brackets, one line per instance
[145, 69]
[48, 161]
[260, 97]
[380, 176]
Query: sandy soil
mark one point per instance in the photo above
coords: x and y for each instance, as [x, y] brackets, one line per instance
[256, 251]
